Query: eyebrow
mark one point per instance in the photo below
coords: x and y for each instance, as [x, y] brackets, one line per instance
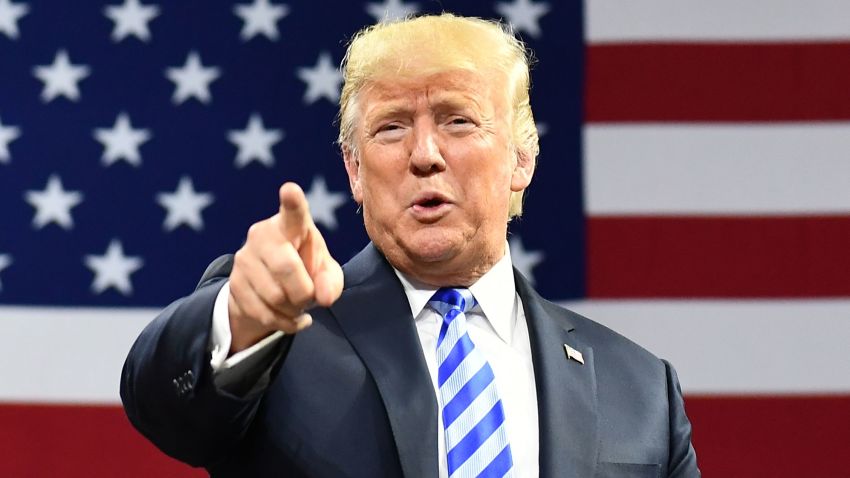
[396, 108]
[444, 100]
[457, 100]
[440, 102]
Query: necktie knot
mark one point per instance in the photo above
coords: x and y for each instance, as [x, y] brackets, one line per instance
[448, 298]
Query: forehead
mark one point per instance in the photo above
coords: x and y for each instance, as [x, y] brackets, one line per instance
[461, 87]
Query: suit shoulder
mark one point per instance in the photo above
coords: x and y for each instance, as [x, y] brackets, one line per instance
[220, 267]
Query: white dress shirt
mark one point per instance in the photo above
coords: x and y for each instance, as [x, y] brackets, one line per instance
[496, 326]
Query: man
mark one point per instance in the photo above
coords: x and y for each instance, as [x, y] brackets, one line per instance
[427, 354]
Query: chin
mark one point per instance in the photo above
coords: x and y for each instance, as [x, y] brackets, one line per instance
[433, 245]
[433, 250]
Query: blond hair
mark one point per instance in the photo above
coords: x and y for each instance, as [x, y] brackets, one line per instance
[444, 42]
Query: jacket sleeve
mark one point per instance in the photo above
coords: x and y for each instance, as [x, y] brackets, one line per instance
[167, 386]
[683, 458]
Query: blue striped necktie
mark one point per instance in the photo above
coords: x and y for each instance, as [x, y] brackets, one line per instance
[473, 417]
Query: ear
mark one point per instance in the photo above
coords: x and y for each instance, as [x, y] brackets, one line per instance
[523, 171]
[352, 167]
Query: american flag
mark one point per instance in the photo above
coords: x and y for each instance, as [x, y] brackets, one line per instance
[692, 192]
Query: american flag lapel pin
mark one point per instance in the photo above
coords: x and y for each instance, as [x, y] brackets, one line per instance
[573, 354]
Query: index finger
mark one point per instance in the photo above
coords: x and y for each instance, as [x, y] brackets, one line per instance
[295, 213]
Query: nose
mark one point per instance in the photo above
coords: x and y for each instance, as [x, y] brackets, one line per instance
[425, 156]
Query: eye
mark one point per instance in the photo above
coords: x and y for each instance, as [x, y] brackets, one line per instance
[459, 124]
[459, 121]
[389, 132]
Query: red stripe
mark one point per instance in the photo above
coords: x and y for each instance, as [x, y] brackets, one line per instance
[780, 437]
[640, 257]
[78, 441]
[717, 82]
[733, 436]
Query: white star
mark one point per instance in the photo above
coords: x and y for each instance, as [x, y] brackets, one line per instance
[10, 13]
[524, 260]
[323, 80]
[113, 269]
[5, 261]
[255, 142]
[323, 203]
[192, 80]
[184, 206]
[53, 204]
[7, 135]
[391, 10]
[260, 17]
[61, 78]
[524, 15]
[131, 18]
[542, 129]
[121, 141]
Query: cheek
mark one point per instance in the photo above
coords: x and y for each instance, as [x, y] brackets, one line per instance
[487, 192]
[492, 183]
[379, 183]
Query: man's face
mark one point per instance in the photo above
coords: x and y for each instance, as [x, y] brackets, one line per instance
[434, 171]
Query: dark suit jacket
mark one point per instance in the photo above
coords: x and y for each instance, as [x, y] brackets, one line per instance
[352, 396]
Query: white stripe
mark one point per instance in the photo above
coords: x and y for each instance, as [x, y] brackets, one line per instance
[759, 169]
[75, 355]
[716, 20]
[482, 457]
[478, 409]
[746, 347]
[66, 354]
[469, 366]
[453, 334]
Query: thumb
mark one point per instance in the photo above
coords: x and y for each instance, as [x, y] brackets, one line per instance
[328, 282]
[325, 272]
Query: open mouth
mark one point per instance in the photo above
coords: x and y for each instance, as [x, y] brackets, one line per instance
[430, 206]
[430, 203]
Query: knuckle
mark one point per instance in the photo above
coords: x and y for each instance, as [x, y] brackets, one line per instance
[284, 262]
[252, 231]
[255, 232]
[303, 294]
[274, 295]
[239, 259]
[288, 266]
[266, 317]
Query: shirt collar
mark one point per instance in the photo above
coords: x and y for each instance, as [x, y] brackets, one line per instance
[495, 293]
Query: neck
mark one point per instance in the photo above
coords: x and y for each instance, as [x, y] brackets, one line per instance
[456, 272]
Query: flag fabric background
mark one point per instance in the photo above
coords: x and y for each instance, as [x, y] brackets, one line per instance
[692, 193]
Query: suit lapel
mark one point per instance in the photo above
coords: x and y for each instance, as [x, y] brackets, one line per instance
[374, 314]
[566, 389]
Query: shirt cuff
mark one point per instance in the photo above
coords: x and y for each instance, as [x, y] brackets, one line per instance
[221, 337]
